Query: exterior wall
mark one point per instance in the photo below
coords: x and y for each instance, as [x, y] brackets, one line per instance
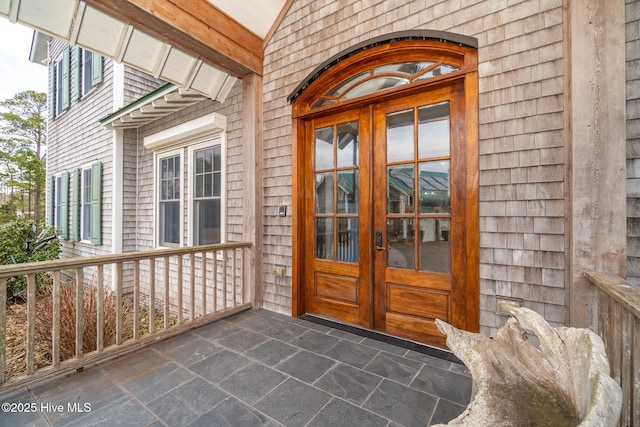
[633, 140]
[76, 138]
[522, 172]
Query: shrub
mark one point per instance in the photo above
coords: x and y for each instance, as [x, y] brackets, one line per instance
[44, 318]
[13, 249]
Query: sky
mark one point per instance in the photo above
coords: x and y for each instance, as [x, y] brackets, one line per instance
[18, 74]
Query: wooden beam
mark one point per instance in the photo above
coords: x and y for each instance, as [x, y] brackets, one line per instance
[196, 27]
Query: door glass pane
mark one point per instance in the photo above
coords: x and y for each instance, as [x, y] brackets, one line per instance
[400, 243]
[374, 85]
[435, 195]
[348, 192]
[348, 239]
[433, 130]
[348, 144]
[435, 245]
[324, 148]
[400, 144]
[324, 238]
[401, 189]
[324, 192]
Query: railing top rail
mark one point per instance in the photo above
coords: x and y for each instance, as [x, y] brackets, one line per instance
[625, 293]
[78, 262]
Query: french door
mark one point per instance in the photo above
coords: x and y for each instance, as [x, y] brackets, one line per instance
[386, 220]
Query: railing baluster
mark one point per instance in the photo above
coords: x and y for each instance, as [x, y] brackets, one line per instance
[152, 295]
[224, 278]
[3, 328]
[79, 310]
[31, 322]
[192, 284]
[215, 281]
[119, 302]
[166, 292]
[243, 283]
[235, 275]
[136, 299]
[179, 274]
[100, 310]
[203, 267]
[55, 334]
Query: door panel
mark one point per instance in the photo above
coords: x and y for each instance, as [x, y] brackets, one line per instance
[337, 229]
[415, 149]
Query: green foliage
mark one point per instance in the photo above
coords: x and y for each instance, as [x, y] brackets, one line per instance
[13, 248]
[22, 168]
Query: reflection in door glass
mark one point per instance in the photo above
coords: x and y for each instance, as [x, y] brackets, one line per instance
[348, 192]
[348, 144]
[435, 195]
[324, 192]
[324, 238]
[401, 189]
[433, 130]
[348, 239]
[324, 148]
[400, 137]
[400, 243]
[435, 245]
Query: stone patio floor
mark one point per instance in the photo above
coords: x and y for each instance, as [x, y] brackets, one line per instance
[256, 368]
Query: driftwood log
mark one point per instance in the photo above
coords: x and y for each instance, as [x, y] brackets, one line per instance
[565, 381]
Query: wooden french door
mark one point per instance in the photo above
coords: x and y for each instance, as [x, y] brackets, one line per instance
[387, 222]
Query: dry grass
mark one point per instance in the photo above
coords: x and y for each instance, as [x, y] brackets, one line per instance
[17, 326]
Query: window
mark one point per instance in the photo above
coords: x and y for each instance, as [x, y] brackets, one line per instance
[190, 166]
[59, 84]
[75, 203]
[207, 193]
[169, 200]
[88, 71]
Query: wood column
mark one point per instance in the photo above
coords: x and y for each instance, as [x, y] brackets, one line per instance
[252, 183]
[594, 87]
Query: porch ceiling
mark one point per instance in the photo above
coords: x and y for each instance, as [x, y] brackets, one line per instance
[201, 46]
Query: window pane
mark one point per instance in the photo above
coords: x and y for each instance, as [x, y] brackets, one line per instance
[217, 184]
[400, 144]
[435, 195]
[433, 130]
[348, 144]
[338, 90]
[207, 222]
[400, 189]
[324, 192]
[324, 238]
[217, 158]
[199, 161]
[438, 71]
[348, 192]
[324, 148]
[374, 85]
[208, 185]
[435, 247]
[199, 179]
[169, 222]
[400, 239]
[408, 68]
[86, 221]
[348, 239]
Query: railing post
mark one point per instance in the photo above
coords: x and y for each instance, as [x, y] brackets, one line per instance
[215, 280]
[204, 282]
[3, 327]
[224, 279]
[192, 284]
[179, 274]
[136, 299]
[152, 295]
[166, 292]
[235, 277]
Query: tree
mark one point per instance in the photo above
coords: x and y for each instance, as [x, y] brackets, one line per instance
[22, 168]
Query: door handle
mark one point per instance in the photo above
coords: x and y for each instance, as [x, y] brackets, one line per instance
[379, 240]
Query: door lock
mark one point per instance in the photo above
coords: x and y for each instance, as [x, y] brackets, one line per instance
[379, 245]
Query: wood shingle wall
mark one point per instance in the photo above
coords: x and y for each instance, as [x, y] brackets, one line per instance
[522, 173]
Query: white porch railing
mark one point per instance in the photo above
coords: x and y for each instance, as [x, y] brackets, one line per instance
[179, 288]
[619, 328]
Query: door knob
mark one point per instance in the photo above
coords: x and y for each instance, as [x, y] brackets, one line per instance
[379, 245]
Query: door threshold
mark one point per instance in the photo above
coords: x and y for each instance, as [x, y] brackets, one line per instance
[388, 339]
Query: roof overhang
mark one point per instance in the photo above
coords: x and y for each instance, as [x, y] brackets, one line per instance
[165, 100]
[201, 46]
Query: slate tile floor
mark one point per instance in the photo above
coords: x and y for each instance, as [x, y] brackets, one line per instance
[257, 368]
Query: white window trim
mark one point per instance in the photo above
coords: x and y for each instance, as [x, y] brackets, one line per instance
[156, 194]
[57, 182]
[83, 168]
[194, 133]
[218, 139]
